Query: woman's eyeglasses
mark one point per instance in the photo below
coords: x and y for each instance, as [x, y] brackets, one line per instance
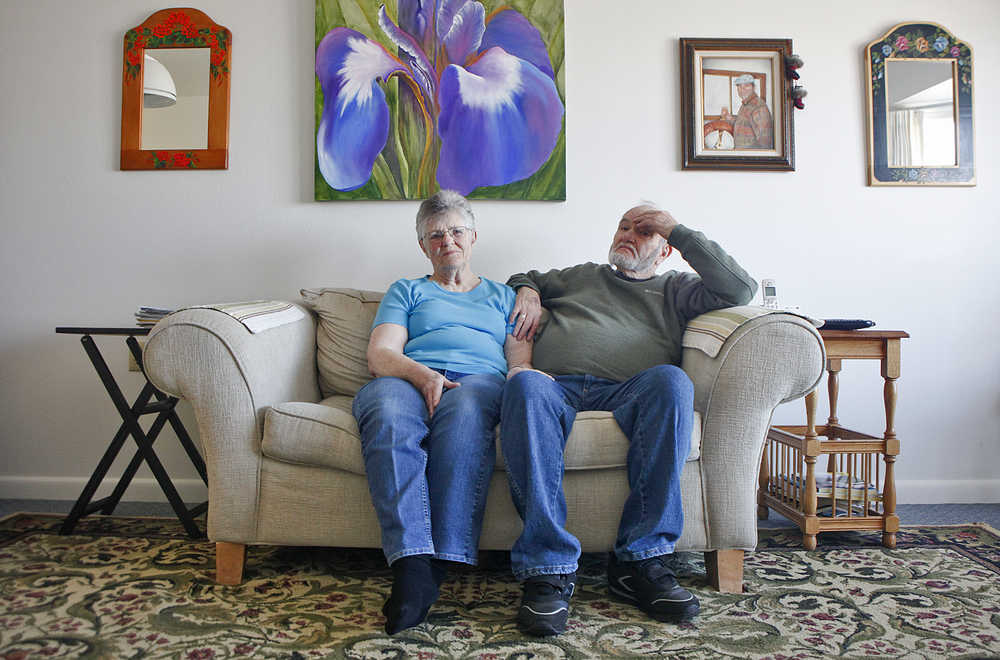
[457, 233]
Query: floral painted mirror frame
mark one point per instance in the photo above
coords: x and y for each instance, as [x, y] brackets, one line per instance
[176, 28]
[929, 42]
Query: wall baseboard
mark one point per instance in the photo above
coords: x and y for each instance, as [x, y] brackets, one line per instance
[968, 491]
[69, 488]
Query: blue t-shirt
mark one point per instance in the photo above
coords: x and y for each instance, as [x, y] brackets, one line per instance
[458, 331]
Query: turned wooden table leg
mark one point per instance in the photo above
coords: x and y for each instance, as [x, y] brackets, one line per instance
[889, 501]
[890, 372]
[891, 450]
[833, 367]
[811, 523]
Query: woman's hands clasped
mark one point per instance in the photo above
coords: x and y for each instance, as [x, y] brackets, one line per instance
[432, 385]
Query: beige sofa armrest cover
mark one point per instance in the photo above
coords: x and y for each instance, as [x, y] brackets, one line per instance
[766, 361]
[231, 377]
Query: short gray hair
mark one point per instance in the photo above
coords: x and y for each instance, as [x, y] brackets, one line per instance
[440, 202]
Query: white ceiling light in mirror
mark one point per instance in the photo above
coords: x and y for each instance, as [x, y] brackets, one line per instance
[158, 89]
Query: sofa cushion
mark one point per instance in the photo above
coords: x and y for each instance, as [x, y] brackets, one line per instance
[596, 441]
[345, 323]
[325, 434]
[314, 434]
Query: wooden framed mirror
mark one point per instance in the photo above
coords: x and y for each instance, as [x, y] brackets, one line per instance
[920, 129]
[175, 92]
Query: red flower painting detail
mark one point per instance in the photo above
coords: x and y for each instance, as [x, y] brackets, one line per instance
[178, 30]
[163, 160]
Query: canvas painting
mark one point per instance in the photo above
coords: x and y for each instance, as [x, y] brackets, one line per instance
[413, 96]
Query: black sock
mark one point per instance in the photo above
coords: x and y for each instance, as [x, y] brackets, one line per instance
[439, 570]
[415, 582]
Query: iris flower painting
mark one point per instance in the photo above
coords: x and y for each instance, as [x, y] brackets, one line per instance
[417, 95]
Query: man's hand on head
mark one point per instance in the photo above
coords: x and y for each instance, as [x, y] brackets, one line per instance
[655, 221]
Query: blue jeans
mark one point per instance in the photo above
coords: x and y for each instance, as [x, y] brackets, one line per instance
[655, 410]
[428, 476]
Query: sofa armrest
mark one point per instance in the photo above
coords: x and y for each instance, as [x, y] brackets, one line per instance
[231, 377]
[766, 361]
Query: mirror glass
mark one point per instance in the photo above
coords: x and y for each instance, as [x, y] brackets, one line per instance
[182, 123]
[920, 119]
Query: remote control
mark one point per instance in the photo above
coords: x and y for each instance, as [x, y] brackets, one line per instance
[846, 324]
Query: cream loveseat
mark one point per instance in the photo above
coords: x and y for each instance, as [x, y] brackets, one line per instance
[284, 459]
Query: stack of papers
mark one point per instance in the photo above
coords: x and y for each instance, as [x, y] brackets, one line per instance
[824, 487]
[150, 315]
[825, 480]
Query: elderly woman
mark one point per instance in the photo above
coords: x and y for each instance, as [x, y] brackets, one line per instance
[440, 348]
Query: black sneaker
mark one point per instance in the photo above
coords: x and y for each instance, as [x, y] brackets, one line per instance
[545, 604]
[651, 586]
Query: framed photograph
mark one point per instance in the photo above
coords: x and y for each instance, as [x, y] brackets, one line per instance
[736, 105]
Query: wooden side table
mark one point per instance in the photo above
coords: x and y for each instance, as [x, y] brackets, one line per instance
[853, 493]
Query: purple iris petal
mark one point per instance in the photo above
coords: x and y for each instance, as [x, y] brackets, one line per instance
[446, 12]
[462, 35]
[500, 119]
[422, 67]
[355, 121]
[414, 16]
[512, 32]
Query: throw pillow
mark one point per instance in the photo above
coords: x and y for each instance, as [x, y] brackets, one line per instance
[345, 322]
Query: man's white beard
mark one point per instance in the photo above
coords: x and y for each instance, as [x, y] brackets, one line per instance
[634, 264]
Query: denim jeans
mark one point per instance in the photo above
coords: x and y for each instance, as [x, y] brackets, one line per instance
[428, 476]
[655, 410]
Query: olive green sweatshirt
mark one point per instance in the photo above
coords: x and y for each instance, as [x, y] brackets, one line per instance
[602, 323]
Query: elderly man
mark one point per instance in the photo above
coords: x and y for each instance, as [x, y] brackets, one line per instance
[613, 342]
[753, 127]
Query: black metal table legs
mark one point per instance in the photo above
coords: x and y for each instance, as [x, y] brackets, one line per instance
[163, 407]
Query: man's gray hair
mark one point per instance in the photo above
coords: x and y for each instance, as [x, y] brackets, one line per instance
[440, 202]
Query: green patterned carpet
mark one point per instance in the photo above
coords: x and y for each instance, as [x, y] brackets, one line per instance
[134, 587]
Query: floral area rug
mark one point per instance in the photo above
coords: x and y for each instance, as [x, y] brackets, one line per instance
[137, 587]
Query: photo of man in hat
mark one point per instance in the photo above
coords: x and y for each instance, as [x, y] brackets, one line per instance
[753, 127]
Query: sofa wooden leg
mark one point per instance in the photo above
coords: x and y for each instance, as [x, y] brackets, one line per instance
[725, 570]
[229, 560]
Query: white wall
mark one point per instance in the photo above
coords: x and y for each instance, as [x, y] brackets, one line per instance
[84, 243]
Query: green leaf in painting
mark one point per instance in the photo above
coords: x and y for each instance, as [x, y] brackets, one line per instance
[412, 124]
[386, 182]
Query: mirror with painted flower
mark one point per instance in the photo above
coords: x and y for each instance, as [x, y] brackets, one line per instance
[175, 93]
[920, 128]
